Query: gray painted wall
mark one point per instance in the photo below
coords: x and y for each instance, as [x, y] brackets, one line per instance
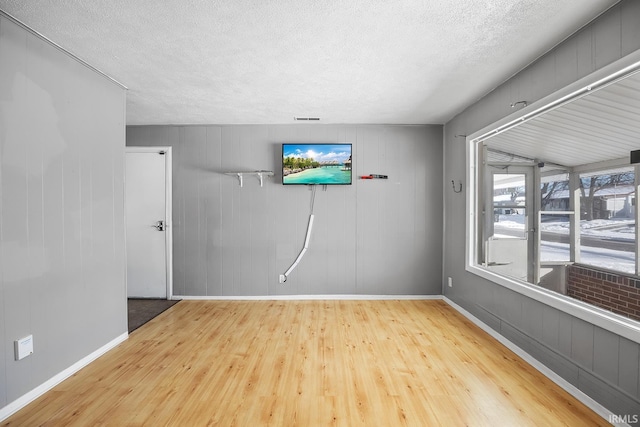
[603, 365]
[62, 265]
[372, 237]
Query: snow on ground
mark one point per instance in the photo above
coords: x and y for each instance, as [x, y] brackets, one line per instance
[614, 229]
[619, 229]
[599, 257]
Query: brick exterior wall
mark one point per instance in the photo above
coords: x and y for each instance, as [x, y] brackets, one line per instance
[612, 291]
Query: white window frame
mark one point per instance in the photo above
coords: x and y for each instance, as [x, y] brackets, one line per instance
[610, 321]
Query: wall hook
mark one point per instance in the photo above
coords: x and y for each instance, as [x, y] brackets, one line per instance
[453, 184]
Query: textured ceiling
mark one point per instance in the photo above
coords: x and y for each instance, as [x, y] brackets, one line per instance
[357, 61]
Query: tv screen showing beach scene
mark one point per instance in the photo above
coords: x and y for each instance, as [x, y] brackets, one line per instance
[316, 164]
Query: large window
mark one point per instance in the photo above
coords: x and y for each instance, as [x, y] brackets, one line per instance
[551, 201]
[568, 231]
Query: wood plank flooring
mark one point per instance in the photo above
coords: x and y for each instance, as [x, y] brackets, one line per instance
[308, 363]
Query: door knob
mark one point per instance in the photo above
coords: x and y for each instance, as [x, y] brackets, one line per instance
[159, 225]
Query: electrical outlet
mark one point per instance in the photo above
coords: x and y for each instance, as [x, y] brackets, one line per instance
[450, 282]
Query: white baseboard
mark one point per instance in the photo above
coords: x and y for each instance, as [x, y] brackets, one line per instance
[27, 398]
[306, 297]
[544, 370]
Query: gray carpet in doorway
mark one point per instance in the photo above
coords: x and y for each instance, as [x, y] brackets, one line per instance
[141, 310]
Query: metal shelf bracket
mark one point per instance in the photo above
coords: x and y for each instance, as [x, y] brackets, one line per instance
[259, 174]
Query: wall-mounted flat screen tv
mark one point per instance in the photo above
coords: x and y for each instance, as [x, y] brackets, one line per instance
[316, 164]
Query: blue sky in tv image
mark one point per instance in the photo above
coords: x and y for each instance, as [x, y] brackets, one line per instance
[322, 164]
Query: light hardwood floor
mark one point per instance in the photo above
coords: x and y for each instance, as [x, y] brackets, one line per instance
[308, 363]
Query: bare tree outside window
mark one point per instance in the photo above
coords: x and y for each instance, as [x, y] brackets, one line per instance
[591, 207]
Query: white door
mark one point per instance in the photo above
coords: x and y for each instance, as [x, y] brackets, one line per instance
[147, 222]
[509, 223]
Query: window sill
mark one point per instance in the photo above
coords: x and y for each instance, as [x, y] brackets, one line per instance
[604, 319]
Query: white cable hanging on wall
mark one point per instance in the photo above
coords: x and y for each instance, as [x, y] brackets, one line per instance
[283, 277]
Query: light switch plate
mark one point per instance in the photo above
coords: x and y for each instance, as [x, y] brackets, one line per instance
[23, 347]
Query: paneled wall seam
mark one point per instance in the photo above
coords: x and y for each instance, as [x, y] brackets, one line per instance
[535, 342]
[242, 214]
[3, 331]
